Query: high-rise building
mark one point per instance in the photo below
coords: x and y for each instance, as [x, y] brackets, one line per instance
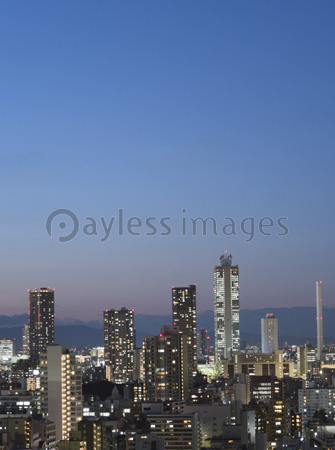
[319, 320]
[41, 312]
[202, 338]
[226, 308]
[61, 389]
[269, 334]
[184, 315]
[167, 375]
[25, 340]
[119, 343]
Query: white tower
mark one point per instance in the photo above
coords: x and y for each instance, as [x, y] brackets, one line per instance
[319, 319]
[226, 308]
[269, 334]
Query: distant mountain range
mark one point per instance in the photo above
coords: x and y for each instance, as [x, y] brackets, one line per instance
[296, 325]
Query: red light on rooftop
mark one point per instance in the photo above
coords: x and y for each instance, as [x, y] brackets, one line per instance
[160, 334]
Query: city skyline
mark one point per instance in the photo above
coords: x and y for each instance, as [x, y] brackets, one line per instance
[96, 314]
[166, 170]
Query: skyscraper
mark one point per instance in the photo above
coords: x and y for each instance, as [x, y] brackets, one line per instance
[119, 343]
[184, 315]
[319, 319]
[41, 312]
[166, 375]
[269, 334]
[25, 340]
[61, 389]
[202, 338]
[226, 308]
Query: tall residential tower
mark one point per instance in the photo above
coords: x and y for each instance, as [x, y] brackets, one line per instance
[119, 336]
[61, 389]
[184, 315]
[226, 308]
[41, 312]
[166, 375]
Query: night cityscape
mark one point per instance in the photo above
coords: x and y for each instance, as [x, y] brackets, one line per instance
[167, 225]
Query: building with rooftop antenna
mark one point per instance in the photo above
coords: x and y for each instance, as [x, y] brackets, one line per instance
[226, 308]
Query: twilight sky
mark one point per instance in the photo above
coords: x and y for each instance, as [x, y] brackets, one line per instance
[167, 110]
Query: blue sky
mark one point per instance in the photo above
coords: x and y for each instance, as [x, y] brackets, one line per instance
[223, 108]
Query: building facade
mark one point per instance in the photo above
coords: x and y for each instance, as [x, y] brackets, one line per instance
[226, 308]
[7, 350]
[165, 357]
[313, 399]
[41, 312]
[184, 315]
[61, 389]
[269, 333]
[119, 344]
[179, 431]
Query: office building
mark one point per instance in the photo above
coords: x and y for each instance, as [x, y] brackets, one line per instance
[165, 357]
[262, 364]
[46, 431]
[93, 432]
[313, 399]
[61, 389]
[15, 431]
[213, 417]
[179, 431]
[226, 308]
[41, 312]
[7, 350]
[319, 320]
[149, 441]
[269, 334]
[119, 344]
[306, 356]
[261, 387]
[184, 316]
